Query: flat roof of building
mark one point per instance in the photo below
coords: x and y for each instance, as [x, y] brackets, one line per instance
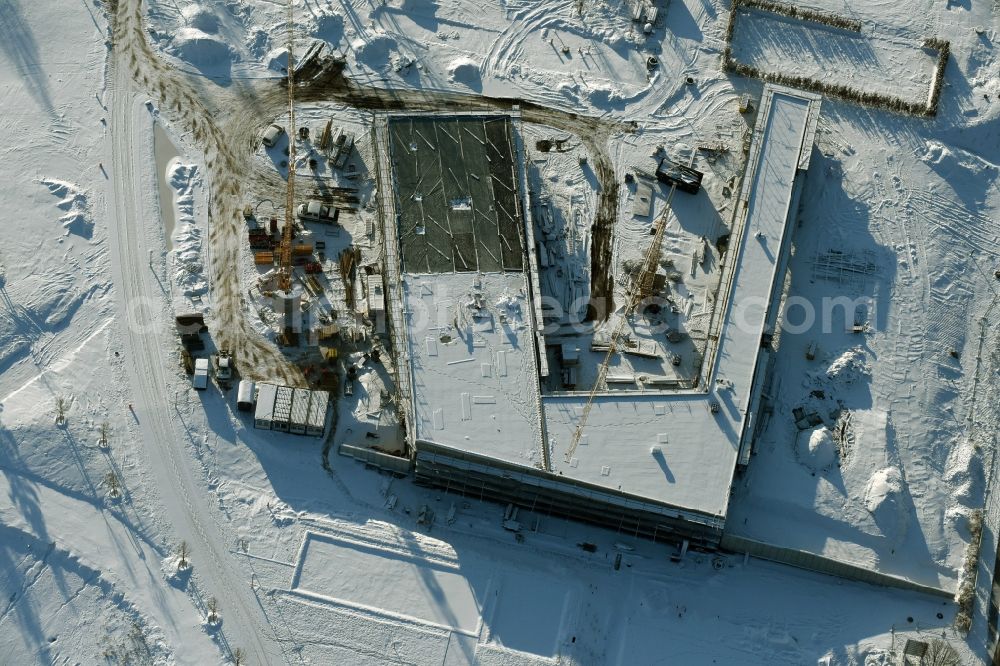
[479, 391]
[472, 362]
[456, 193]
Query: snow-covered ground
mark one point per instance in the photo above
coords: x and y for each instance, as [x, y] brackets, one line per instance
[340, 565]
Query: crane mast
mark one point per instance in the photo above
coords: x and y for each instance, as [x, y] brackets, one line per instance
[642, 287]
[285, 251]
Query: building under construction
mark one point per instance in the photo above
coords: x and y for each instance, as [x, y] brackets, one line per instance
[465, 318]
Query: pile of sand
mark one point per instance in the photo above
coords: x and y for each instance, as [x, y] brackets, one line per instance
[816, 448]
[465, 71]
[200, 48]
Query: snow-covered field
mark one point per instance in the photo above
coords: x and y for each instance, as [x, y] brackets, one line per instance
[339, 565]
[872, 61]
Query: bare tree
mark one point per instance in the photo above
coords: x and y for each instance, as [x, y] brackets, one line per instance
[114, 486]
[183, 552]
[941, 653]
[213, 610]
[105, 430]
[239, 657]
[61, 406]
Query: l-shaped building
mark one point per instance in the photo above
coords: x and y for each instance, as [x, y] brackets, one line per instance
[466, 322]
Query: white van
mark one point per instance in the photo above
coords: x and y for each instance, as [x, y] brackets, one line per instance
[271, 135]
[316, 211]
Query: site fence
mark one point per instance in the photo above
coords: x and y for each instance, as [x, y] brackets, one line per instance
[921, 107]
[825, 565]
[976, 596]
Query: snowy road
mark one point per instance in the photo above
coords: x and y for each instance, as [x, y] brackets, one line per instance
[185, 503]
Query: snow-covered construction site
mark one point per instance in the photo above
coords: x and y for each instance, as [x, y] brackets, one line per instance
[500, 332]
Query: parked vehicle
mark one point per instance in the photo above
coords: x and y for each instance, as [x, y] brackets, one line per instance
[224, 369]
[245, 396]
[685, 178]
[271, 135]
[200, 378]
[317, 211]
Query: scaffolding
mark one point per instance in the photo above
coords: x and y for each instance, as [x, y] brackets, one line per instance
[394, 284]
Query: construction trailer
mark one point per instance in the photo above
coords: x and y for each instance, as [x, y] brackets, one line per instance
[298, 411]
[298, 420]
[264, 414]
[200, 378]
[376, 301]
[684, 177]
[245, 396]
[319, 404]
[282, 414]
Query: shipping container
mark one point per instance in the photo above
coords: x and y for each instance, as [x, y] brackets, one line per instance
[282, 408]
[299, 416]
[264, 414]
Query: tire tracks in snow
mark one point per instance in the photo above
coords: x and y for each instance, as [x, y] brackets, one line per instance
[181, 497]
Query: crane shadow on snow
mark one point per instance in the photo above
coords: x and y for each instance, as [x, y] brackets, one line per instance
[681, 24]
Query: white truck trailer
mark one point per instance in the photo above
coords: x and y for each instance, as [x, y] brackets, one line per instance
[200, 378]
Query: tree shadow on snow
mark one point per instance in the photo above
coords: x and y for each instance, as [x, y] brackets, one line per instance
[18, 46]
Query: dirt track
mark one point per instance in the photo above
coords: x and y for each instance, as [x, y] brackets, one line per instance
[227, 122]
[593, 132]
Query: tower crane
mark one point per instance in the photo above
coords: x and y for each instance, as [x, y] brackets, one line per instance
[287, 233]
[641, 288]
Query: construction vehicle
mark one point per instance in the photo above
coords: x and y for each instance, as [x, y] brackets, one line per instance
[682, 177]
[343, 151]
[224, 368]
